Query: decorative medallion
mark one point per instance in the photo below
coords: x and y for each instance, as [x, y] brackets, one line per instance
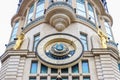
[59, 49]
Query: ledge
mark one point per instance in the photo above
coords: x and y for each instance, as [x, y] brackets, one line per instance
[60, 7]
[86, 20]
[60, 3]
[107, 51]
[112, 45]
[10, 45]
[33, 23]
[9, 53]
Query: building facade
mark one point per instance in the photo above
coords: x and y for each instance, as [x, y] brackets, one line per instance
[61, 40]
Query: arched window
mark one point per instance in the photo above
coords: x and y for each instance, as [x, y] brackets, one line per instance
[91, 13]
[80, 8]
[30, 14]
[14, 32]
[108, 30]
[40, 8]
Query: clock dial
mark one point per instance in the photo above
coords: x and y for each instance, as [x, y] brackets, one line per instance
[59, 49]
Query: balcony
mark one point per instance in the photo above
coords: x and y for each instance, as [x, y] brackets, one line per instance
[112, 45]
[10, 45]
[86, 20]
[60, 14]
[33, 23]
[105, 5]
[19, 4]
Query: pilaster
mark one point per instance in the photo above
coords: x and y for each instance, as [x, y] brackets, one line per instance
[106, 64]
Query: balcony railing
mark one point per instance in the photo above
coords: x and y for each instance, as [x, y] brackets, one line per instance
[105, 5]
[19, 4]
[112, 44]
[85, 20]
[60, 3]
[10, 45]
[34, 21]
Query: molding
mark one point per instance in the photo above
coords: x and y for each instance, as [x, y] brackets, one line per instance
[107, 51]
[13, 53]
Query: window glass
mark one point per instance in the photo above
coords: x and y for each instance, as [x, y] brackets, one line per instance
[40, 8]
[36, 40]
[75, 78]
[32, 78]
[54, 70]
[83, 39]
[44, 68]
[64, 78]
[108, 30]
[43, 78]
[91, 12]
[80, 8]
[119, 66]
[14, 32]
[75, 69]
[30, 14]
[86, 78]
[65, 70]
[85, 67]
[34, 66]
[53, 78]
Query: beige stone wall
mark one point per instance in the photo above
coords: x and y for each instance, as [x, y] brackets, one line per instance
[74, 29]
[106, 66]
[103, 63]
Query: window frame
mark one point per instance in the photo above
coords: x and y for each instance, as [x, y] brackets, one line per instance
[108, 30]
[80, 11]
[91, 12]
[42, 65]
[14, 31]
[88, 69]
[38, 11]
[74, 66]
[34, 61]
[29, 18]
[36, 35]
[32, 78]
[85, 35]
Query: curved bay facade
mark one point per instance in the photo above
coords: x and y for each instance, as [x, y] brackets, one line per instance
[61, 40]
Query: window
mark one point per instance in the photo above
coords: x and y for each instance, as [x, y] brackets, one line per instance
[64, 78]
[75, 78]
[43, 78]
[108, 30]
[44, 69]
[85, 67]
[30, 14]
[83, 39]
[75, 69]
[65, 70]
[36, 40]
[80, 8]
[32, 78]
[91, 13]
[86, 78]
[14, 32]
[119, 66]
[40, 8]
[54, 70]
[53, 78]
[34, 66]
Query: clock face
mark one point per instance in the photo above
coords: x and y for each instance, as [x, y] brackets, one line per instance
[59, 49]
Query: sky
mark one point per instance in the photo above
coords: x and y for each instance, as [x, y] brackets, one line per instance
[8, 9]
